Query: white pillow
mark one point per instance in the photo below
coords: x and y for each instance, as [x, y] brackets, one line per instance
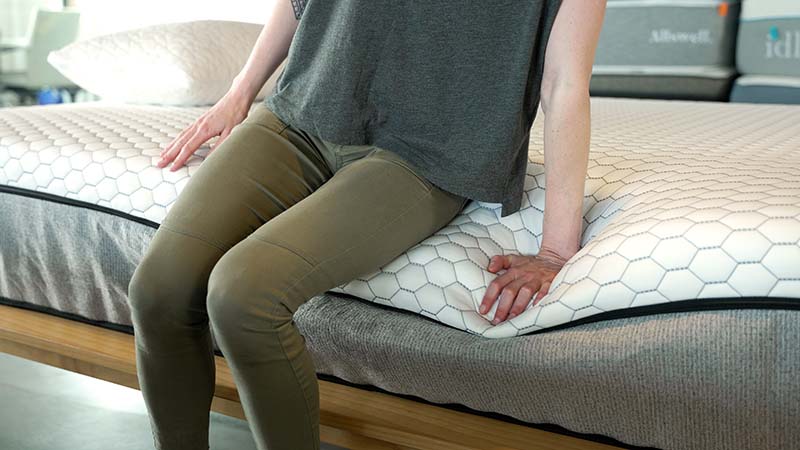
[183, 63]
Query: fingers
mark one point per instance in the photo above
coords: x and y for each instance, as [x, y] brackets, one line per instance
[498, 262]
[179, 140]
[493, 290]
[168, 154]
[188, 149]
[526, 281]
[221, 139]
[542, 292]
[524, 296]
[507, 300]
[187, 142]
[184, 152]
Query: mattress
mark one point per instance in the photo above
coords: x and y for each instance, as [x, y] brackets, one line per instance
[703, 378]
[686, 83]
[766, 89]
[681, 49]
[687, 204]
[768, 40]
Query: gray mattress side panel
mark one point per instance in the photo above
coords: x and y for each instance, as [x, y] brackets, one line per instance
[755, 93]
[661, 86]
[72, 259]
[75, 260]
[704, 379]
[710, 380]
[769, 47]
[667, 35]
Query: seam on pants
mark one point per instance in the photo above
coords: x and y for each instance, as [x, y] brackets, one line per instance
[283, 246]
[215, 245]
[297, 380]
[427, 184]
[319, 265]
[349, 249]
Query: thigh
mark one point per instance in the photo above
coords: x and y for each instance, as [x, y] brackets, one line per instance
[367, 214]
[261, 169]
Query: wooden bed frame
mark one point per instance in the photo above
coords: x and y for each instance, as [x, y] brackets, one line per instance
[357, 419]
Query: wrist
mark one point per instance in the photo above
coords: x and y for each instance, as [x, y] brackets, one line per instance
[555, 255]
[243, 89]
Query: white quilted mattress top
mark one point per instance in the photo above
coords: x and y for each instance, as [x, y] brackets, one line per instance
[683, 201]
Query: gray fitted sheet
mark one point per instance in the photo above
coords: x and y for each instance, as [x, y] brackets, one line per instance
[693, 380]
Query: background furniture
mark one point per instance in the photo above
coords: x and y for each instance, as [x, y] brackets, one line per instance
[49, 29]
[768, 53]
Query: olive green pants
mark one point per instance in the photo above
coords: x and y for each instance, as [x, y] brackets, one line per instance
[272, 217]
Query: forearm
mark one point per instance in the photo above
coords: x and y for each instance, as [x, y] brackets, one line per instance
[268, 52]
[567, 130]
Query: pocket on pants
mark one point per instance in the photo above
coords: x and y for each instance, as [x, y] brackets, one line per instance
[345, 154]
[400, 161]
[262, 115]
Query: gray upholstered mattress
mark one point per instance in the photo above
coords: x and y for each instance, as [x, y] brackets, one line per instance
[714, 379]
[766, 89]
[768, 41]
[680, 49]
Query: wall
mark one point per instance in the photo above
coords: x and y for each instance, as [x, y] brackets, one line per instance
[106, 16]
[15, 18]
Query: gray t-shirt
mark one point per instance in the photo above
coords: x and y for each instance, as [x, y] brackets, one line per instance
[452, 86]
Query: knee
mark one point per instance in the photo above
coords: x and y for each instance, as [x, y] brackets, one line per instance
[144, 292]
[159, 297]
[243, 296]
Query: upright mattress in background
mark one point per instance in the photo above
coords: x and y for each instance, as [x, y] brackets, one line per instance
[680, 49]
[768, 52]
[766, 89]
[769, 38]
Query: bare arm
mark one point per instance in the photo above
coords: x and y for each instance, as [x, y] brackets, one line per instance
[565, 104]
[268, 52]
[564, 99]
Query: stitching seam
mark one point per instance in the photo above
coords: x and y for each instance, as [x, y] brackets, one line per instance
[297, 380]
[215, 245]
[426, 183]
[348, 250]
[309, 261]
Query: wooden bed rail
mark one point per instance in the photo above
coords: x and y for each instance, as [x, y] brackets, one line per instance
[350, 417]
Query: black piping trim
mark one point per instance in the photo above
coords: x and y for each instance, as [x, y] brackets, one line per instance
[705, 304]
[73, 202]
[691, 305]
[678, 306]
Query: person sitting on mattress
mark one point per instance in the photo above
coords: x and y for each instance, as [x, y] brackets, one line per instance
[387, 118]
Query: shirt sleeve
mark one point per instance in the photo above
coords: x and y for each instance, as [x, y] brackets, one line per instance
[299, 6]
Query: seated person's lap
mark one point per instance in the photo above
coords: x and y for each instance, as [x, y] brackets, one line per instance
[268, 183]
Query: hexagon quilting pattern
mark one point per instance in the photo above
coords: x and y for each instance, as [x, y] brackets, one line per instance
[683, 200]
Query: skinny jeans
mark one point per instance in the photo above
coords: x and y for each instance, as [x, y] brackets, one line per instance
[271, 218]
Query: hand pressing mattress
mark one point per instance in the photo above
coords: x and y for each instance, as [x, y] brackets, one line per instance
[687, 205]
